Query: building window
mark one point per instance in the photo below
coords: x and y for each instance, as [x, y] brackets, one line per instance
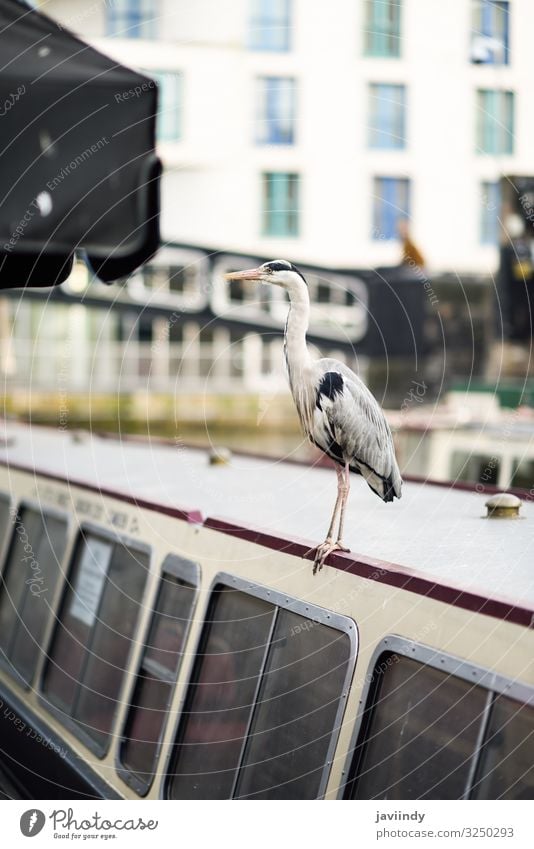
[28, 587]
[391, 202]
[387, 108]
[490, 200]
[95, 631]
[490, 32]
[169, 119]
[162, 656]
[263, 702]
[270, 25]
[275, 110]
[131, 18]
[495, 121]
[382, 28]
[280, 204]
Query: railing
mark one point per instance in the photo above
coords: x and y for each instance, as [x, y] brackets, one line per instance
[124, 367]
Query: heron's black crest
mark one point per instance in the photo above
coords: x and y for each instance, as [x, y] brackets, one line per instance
[279, 265]
[283, 265]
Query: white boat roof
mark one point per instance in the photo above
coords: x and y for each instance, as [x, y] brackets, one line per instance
[433, 531]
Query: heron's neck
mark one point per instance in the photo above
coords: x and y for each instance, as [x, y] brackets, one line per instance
[296, 351]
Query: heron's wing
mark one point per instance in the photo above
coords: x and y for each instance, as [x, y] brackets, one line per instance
[349, 415]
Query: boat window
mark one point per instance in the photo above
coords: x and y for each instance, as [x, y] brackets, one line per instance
[420, 732]
[181, 280]
[506, 766]
[523, 473]
[249, 300]
[10, 787]
[158, 669]
[28, 587]
[5, 504]
[262, 705]
[477, 468]
[296, 710]
[94, 633]
[221, 695]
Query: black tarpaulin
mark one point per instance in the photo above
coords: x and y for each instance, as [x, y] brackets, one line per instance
[77, 157]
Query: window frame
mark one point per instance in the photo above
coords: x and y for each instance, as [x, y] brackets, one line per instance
[165, 80]
[128, 11]
[292, 218]
[190, 572]
[169, 257]
[248, 311]
[68, 722]
[381, 205]
[484, 5]
[275, 316]
[255, 18]
[380, 137]
[493, 123]
[269, 91]
[370, 49]
[490, 192]
[70, 526]
[492, 682]
[317, 614]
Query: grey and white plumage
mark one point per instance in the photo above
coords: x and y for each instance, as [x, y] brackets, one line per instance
[337, 411]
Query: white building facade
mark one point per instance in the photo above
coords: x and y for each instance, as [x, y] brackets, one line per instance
[305, 128]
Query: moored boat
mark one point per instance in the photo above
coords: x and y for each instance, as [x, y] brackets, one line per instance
[162, 634]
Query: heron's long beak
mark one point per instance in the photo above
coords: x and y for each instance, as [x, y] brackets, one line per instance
[250, 274]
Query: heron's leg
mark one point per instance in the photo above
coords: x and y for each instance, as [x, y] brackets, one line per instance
[345, 475]
[337, 505]
[326, 547]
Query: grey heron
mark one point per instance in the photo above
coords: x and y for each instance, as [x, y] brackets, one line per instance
[337, 411]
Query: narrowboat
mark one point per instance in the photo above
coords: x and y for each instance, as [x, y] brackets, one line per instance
[162, 635]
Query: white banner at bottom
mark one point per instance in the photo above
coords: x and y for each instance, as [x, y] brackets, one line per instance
[255, 824]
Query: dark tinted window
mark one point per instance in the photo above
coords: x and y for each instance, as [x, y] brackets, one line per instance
[28, 587]
[221, 696]
[475, 467]
[157, 675]
[506, 766]
[523, 473]
[420, 733]
[4, 520]
[95, 631]
[296, 710]
[10, 787]
[261, 712]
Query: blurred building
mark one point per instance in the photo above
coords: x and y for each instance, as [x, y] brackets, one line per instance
[299, 129]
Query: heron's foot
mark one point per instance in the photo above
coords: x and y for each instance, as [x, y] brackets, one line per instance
[322, 551]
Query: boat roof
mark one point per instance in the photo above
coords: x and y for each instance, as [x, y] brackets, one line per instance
[434, 533]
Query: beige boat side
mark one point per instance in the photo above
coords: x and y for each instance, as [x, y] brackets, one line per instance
[432, 591]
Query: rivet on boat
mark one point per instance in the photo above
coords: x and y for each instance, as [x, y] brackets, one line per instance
[219, 457]
[503, 505]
